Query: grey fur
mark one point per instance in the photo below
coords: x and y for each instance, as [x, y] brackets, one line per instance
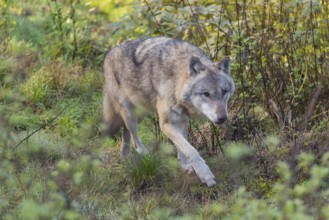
[173, 78]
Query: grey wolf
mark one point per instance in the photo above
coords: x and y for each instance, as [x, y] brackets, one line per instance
[173, 78]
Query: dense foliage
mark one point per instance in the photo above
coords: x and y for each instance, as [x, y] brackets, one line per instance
[271, 159]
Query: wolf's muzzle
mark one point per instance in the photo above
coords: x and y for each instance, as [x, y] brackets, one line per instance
[221, 120]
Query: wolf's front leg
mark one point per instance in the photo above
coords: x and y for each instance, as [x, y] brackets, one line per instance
[188, 152]
[194, 160]
[184, 162]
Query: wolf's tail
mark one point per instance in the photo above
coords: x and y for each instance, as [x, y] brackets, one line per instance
[110, 117]
[110, 114]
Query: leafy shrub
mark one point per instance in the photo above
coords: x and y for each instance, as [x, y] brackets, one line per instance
[38, 88]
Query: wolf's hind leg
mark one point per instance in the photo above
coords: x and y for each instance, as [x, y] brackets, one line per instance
[130, 121]
[125, 144]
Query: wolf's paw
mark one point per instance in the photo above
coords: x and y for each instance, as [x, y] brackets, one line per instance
[125, 151]
[187, 168]
[142, 150]
[209, 180]
[203, 172]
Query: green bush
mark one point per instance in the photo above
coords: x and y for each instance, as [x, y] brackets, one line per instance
[38, 88]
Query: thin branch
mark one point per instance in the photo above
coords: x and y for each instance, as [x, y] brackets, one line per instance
[43, 126]
[311, 105]
[218, 26]
[153, 15]
[199, 27]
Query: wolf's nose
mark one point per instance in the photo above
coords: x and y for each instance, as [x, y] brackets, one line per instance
[221, 120]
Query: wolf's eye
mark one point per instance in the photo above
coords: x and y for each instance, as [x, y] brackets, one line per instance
[206, 94]
[224, 92]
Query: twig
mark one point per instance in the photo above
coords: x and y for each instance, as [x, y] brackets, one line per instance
[43, 126]
[214, 57]
[311, 105]
[153, 15]
[199, 26]
[72, 17]
[299, 139]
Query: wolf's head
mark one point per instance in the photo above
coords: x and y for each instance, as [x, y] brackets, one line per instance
[208, 88]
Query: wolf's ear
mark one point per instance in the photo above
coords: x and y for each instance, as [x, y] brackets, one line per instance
[225, 65]
[196, 66]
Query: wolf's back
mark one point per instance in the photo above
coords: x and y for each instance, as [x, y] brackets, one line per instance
[136, 70]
